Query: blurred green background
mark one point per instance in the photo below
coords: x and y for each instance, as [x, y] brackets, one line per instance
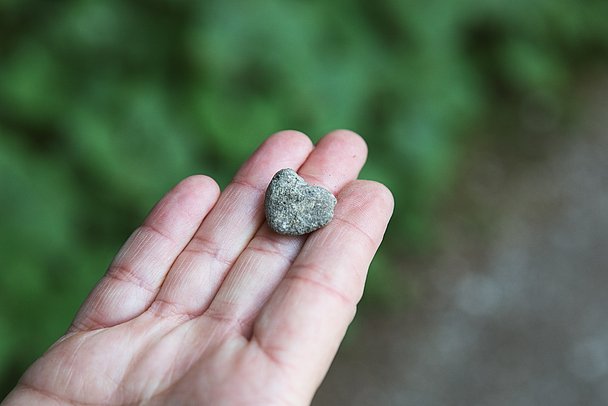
[104, 105]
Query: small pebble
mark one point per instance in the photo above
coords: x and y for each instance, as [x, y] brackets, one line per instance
[293, 207]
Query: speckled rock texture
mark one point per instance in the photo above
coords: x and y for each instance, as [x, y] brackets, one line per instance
[293, 207]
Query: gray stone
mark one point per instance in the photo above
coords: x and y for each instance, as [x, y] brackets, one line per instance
[293, 207]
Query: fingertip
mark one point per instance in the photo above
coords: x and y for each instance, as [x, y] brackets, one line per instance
[336, 159]
[383, 194]
[347, 140]
[284, 149]
[191, 195]
[369, 193]
[291, 139]
[199, 183]
[345, 133]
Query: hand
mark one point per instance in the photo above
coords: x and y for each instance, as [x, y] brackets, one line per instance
[204, 304]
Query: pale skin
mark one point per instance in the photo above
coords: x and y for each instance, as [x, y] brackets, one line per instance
[205, 305]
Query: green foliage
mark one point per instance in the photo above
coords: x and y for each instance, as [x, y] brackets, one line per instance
[105, 104]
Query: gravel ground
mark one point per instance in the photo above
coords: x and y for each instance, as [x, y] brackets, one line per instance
[514, 312]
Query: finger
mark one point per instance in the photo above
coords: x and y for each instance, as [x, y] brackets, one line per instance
[200, 269]
[306, 318]
[335, 161]
[137, 272]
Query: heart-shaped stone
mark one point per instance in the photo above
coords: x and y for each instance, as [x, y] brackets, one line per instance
[293, 207]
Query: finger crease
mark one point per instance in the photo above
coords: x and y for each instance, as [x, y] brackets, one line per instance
[45, 393]
[89, 323]
[162, 308]
[123, 273]
[269, 354]
[156, 230]
[370, 239]
[199, 245]
[240, 325]
[271, 252]
[249, 185]
[322, 285]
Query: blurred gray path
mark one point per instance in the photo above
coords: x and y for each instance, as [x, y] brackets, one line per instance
[516, 313]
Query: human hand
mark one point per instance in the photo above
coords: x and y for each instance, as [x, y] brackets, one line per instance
[204, 304]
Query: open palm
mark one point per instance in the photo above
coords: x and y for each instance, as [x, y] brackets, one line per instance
[204, 304]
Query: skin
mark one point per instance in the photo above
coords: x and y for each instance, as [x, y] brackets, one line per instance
[204, 304]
